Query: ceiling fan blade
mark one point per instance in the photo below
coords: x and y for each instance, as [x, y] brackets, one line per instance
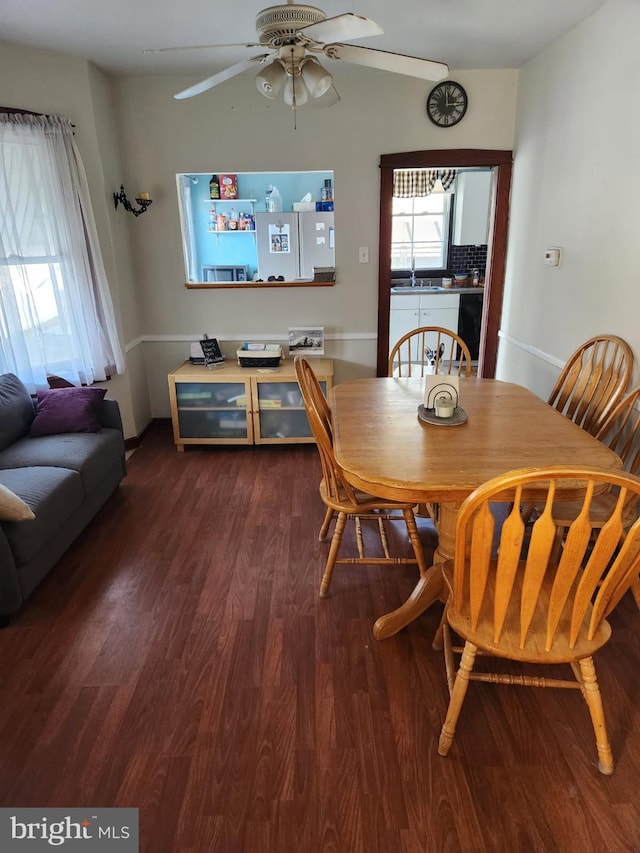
[220, 77]
[398, 63]
[201, 47]
[347, 26]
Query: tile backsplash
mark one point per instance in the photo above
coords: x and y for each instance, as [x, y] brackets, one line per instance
[468, 258]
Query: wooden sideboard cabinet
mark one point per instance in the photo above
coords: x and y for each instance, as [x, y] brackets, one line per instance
[229, 404]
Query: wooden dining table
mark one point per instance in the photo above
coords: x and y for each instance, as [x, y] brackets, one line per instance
[386, 450]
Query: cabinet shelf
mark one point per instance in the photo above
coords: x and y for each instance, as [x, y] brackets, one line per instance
[282, 408]
[211, 408]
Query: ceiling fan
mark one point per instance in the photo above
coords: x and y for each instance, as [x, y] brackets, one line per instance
[295, 32]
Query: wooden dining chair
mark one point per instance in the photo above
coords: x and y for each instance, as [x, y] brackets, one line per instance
[342, 500]
[430, 349]
[593, 380]
[620, 432]
[320, 402]
[529, 603]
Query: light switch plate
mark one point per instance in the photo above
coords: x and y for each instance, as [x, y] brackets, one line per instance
[363, 255]
[553, 256]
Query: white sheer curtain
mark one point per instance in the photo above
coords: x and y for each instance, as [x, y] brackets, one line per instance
[56, 313]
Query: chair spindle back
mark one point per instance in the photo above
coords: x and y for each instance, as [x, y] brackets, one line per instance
[589, 568]
[319, 415]
[410, 355]
[592, 381]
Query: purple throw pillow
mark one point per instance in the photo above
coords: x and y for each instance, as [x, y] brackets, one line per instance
[67, 410]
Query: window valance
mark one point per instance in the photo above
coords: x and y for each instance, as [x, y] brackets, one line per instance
[408, 183]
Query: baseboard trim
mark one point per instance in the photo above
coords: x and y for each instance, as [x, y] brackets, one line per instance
[136, 440]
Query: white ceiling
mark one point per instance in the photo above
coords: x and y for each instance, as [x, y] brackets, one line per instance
[466, 34]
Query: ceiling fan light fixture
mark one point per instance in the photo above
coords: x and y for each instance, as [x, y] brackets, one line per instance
[317, 79]
[271, 79]
[295, 93]
[295, 30]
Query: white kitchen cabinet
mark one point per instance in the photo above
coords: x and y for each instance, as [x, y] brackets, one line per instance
[472, 207]
[409, 311]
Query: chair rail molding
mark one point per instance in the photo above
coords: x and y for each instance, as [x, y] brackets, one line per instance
[242, 336]
[534, 351]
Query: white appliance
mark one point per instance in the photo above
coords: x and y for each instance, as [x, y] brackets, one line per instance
[292, 244]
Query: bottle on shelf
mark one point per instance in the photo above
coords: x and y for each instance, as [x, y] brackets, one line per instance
[214, 187]
[273, 201]
[327, 190]
[233, 220]
[212, 219]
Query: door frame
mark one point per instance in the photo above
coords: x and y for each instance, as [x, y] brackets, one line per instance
[502, 163]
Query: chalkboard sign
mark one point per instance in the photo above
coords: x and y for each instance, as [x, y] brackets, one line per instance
[211, 351]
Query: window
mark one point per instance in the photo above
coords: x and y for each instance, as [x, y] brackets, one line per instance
[56, 315]
[420, 232]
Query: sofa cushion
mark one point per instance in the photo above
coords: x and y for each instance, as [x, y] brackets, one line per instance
[91, 454]
[13, 508]
[60, 410]
[16, 409]
[52, 493]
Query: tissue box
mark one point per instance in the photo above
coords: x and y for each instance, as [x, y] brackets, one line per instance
[304, 206]
[324, 274]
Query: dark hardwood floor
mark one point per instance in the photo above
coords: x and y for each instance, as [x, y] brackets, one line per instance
[178, 659]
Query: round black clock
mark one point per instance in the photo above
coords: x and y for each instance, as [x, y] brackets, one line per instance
[447, 104]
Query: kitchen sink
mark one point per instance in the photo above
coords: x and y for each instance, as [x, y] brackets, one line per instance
[422, 288]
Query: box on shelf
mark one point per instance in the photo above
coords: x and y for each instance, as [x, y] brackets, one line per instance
[324, 273]
[228, 186]
[324, 205]
[259, 355]
[304, 206]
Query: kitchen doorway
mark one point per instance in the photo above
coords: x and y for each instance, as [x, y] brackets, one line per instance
[501, 162]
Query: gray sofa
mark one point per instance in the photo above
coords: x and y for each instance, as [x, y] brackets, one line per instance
[64, 478]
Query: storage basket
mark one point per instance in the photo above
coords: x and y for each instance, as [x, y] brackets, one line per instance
[259, 358]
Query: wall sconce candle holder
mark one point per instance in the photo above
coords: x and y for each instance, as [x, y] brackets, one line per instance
[121, 198]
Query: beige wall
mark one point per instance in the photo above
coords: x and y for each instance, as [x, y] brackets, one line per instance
[233, 128]
[131, 130]
[576, 183]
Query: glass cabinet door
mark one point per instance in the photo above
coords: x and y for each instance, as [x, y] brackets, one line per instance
[281, 413]
[208, 410]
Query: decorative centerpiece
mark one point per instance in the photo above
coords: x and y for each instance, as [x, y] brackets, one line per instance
[441, 397]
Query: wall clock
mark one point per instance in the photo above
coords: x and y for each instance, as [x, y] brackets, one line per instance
[447, 104]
